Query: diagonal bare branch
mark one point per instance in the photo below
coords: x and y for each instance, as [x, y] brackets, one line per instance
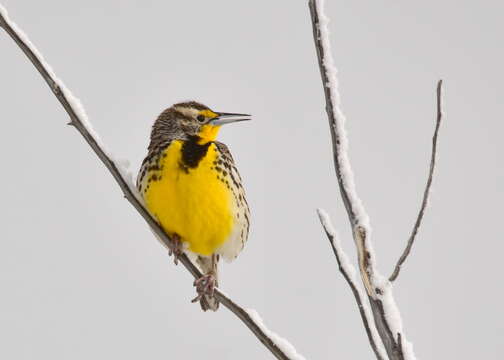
[279, 347]
[348, 271]
[426, 194]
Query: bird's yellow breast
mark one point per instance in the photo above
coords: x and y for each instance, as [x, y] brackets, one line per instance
[190, 202]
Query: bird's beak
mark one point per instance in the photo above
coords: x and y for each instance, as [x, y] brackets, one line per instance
[228, 118]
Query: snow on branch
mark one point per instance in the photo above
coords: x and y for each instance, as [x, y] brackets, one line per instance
[355, 208]
[283, 344]
[279, 347]
[359, 219]
[348, 271]
[387, 319]
[426, 194]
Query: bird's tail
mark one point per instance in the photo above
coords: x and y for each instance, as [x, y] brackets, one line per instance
[209, 265]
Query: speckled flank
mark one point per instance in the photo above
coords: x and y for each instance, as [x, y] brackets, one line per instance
[228, 175]
[150, 171]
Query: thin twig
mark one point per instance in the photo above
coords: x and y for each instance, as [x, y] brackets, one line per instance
[347, 270]
[67, 100]
[426, 194]
[378, 289]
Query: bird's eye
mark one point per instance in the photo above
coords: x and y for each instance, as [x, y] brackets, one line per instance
[200, 118]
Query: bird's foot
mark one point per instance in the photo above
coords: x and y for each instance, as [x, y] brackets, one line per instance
[178, 248]
[205, 285]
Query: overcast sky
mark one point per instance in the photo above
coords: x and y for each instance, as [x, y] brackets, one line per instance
[81, 274]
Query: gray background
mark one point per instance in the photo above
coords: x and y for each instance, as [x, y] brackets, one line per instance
[81, 275]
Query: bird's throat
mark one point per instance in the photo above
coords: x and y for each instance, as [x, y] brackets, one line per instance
[207, 133]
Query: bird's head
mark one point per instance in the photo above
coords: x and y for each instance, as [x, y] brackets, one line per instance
[191, 119]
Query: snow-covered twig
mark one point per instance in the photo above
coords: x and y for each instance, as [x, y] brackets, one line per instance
[279, 347]
[386, 315]
[348, 271]
[359, 219]
[426, 194]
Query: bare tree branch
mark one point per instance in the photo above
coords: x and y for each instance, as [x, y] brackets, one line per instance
[426, 194]
[348, 272]
[78, 119]
[385, 312]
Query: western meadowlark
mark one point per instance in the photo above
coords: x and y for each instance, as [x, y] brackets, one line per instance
[190, 185]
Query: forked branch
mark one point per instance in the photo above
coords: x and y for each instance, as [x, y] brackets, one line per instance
[279, 347]
[386, 316]
[426, 194]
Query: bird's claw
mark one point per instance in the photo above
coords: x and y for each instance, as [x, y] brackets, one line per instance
[177, 250]
[205, 285]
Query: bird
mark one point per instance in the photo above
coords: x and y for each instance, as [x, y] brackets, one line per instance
[189, 183]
